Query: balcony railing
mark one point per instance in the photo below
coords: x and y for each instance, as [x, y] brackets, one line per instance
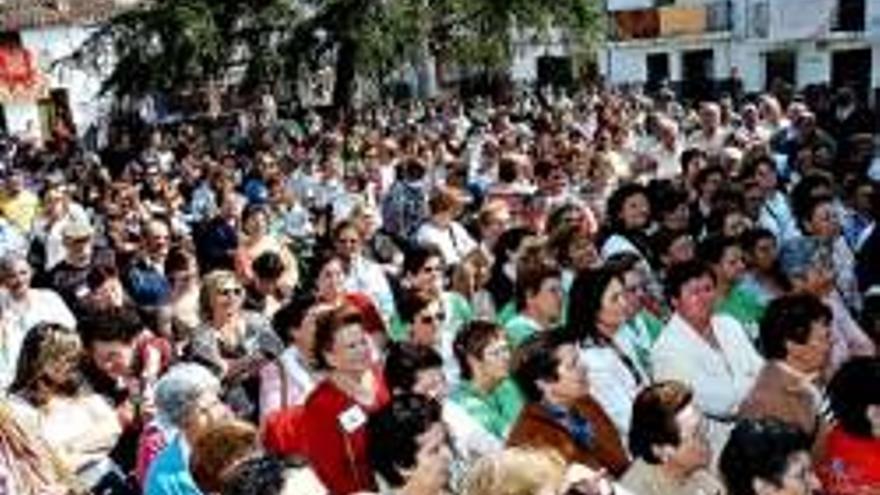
[671, 21]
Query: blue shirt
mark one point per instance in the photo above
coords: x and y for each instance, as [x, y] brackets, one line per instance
[169, 474]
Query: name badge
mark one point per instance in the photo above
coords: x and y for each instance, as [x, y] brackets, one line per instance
[352, 419]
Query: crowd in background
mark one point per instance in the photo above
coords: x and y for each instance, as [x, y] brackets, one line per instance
[589, 294]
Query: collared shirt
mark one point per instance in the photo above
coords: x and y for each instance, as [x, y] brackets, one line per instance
[720, 376]
[495, 411]
[521, 327]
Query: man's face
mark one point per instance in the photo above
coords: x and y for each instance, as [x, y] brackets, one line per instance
[158, 240]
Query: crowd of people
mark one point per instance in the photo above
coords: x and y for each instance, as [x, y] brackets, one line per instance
[590, 294]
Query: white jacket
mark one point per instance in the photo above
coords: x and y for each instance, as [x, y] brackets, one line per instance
[720, 377]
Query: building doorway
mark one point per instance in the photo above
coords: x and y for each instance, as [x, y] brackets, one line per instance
[657, 65]
[555, 71]
[780, 67]
[852, 68]
[697, 74]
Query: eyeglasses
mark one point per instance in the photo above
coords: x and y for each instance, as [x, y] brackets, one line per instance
[432, 268]
[432, 318]
[231, 291]
[498, 351]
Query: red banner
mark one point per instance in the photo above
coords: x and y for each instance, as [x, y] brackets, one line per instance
[20, 78]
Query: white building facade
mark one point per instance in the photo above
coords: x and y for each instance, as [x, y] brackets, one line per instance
[699, 44]
[34, 36]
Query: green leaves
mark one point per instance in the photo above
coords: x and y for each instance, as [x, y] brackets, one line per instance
[174, 45]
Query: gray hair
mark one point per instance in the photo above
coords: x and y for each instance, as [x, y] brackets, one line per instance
[10, 258]
[178, 391]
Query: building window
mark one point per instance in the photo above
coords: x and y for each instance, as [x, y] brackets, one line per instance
[850, 15]
[657, 65]
[780, 67]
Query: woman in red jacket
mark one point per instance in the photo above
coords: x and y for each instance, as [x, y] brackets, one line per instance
[851, 464]
[330, 428]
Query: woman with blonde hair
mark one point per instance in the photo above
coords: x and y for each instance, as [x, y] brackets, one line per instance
[232, 342]
[48, 396]
[523, 471]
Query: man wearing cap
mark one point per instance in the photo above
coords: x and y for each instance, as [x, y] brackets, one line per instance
[69, 277]
[807, 263]
[58, 211]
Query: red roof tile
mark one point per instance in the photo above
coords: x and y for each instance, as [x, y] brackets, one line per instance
[16, 15]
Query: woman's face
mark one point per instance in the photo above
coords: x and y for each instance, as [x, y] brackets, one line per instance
[330, 281]
[426, 325]
[571, 383]
[348, 243]
[735, 224]
[257, 224]
[693, 451]
[429, 278]
[113, 358]
[680, 251]
[819, 279]
[812, 355]
[431, 470]
[184, 277]
[678, 218]
[635, 285]
[614, 308]
[62, 373]
[823, 222]
[636, 212]
[583, 253]
[350, 351]
[764, 254]
[495, 359]
[731, 266]
[304, 337]
[228, 296]
[765, 175]
[798, 479]
[431, 383]
[18, 278]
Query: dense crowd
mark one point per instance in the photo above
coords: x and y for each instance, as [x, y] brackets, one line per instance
[590, 294]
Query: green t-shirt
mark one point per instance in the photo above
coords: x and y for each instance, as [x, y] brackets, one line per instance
[519, 328]
[744, 307]
[497, 411]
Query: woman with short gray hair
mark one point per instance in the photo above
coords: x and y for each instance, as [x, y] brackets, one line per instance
[179, 395]
[22, 307]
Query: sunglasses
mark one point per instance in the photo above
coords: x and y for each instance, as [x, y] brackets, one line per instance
[430, 319]
[231, 291]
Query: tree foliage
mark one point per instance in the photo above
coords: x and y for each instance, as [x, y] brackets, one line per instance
[169, 45]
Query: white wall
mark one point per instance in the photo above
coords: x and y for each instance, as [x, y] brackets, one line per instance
[50, 45]
[20, 115]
